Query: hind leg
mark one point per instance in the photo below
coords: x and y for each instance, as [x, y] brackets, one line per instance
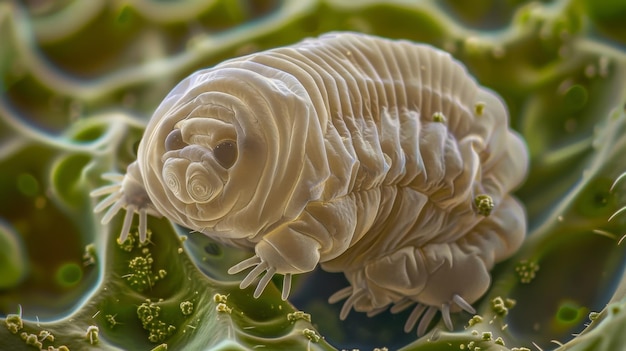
[439, 277]
[446, 277]
[453, 285]
[381, 282]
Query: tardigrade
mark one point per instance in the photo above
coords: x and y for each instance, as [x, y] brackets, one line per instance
[378, 158]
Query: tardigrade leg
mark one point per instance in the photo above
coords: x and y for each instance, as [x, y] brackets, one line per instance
[129, 193]
[382, 281]
[438, 277]
[445, 277]
[323, 231]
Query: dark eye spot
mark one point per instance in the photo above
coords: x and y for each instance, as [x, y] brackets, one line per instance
[174, 141]
[226, 153]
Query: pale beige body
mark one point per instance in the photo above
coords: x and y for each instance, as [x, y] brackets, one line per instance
[358, 153]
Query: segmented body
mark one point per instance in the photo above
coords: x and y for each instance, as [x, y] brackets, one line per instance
[380, 159]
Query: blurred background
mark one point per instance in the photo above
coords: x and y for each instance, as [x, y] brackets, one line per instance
[80, 79]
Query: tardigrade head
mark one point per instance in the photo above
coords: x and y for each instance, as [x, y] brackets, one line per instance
[218, 146]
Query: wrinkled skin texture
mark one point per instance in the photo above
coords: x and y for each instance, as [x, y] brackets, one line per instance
[361, 154]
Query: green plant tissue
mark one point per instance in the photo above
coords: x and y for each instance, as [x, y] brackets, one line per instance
[80, 79]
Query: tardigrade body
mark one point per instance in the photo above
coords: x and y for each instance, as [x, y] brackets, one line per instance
[380, 159]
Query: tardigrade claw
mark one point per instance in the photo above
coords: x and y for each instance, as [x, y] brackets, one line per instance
[347, 294]
[424, 313]
[127, 192]
[421, 315]
[259, 267]
[283, 252]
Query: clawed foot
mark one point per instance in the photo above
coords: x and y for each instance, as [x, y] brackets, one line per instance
[283, 251]
[352, 297]
[425, 313]
[359, 300]
[422, 313]
[260, 267]
[128, 194]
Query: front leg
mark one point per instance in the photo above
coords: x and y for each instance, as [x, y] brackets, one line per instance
[323, 231]
[127, 192]
[283, 251]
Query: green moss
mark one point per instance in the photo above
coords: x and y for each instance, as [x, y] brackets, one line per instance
[14, 323]
[479, 108]
[502, 306]
[484, 204]
[292, 317]
[223, 308]
[311, 335]
[474, 320]
[149, 313]
[31, 340]
[140, 276]
[186, 307]
[439, 117]
[111, 320]
[92, 335]
[526, 270]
